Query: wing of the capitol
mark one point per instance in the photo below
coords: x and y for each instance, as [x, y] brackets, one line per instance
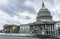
[44, 25]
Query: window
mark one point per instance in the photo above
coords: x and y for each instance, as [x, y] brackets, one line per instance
[24, 29]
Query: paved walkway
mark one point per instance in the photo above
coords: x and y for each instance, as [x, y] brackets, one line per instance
[21, 36]
[17, 34]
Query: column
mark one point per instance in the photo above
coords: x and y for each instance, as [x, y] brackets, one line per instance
[19, 30]
[45, 28]
[31, 27]
[48, 32]
[51, 28]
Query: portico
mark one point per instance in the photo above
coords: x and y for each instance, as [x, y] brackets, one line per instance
[43, 28]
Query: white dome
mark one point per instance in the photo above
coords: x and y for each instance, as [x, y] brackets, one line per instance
[44, 14]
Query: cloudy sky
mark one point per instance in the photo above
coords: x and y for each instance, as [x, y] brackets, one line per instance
[25, 11]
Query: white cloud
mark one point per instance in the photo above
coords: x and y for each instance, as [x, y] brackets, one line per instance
[56, 18]
[3, 2]
[3, 17]
[36, 4]
[7, 19]
[56, 10]
[25, 21]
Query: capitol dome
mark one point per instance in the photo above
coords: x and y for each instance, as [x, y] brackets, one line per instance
[44, 14]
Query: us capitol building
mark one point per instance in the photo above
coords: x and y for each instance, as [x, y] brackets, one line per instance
[44, 25]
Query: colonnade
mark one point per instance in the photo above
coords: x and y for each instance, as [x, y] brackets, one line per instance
[49, 28]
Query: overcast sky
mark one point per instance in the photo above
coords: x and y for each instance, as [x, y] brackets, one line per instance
[25, 11]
